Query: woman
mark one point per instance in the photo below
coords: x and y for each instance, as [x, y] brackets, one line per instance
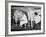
[19, 14]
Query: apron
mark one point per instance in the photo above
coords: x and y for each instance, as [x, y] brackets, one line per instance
[23, 20]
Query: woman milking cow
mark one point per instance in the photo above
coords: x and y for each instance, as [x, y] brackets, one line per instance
[20, 17]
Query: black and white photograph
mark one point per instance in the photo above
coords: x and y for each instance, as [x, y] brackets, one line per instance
[25, 18]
